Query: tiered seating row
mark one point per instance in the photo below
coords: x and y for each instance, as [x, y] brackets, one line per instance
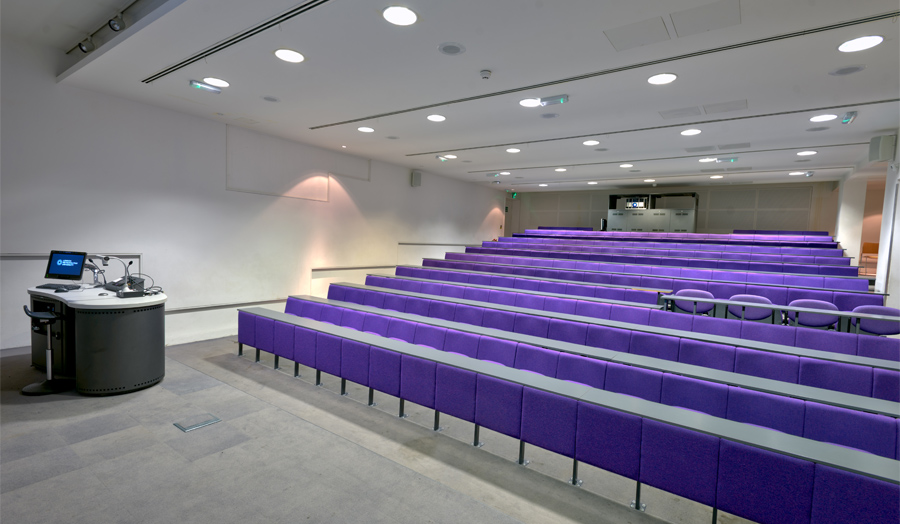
[387, 323]
[778, 292]
[672, 252]
[662, 260]
[803, 337]
[715, 248]
[751, 472]
[850, 374]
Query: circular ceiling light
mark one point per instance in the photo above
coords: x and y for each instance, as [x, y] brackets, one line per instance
[399, 15]
[436, 118]
[289, 55]
[451, 157]
[218, 82]
[530, 102]
[513, 150]
[591, 142]
[649, 180]
[452, 48]
[343, 147]
[504, 173]
[662, 79]
[708, 159]
[560, 170]
[806, 153]
[860, 44]
[542, 185]
[365, 129]
[716, 177]
[690, 132]
[822, 118]
[626, 165]
[797, 173]
[592, 183]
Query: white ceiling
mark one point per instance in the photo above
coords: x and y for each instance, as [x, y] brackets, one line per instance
[358, 66]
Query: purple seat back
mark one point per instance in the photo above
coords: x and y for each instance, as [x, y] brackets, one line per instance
[461, 342]
[698, 395]
[469, 315]
[430, 336]
[679, 461]
[402, 330]
[384, 371]
[706, 354]
[549, 421]
[584, 370]
[836, 376]
[355, 362]
[886, 384]
[665, 319]
[503, 320]
[264, 334]
[454, 392]
[304, 346]
[328, 354]
[498, 405]
[496, 350]
[785, 368]
[840, 497]
[531, 325]
[875, 434]
[780, 413]
[636, 382]
[283, 342]
[567, 331]
[609, 440]
[417, 380]
[247, 328]
[538, 360]
[657, 346]
[608, 338]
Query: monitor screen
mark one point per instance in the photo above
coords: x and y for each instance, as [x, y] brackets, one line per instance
[65, 265]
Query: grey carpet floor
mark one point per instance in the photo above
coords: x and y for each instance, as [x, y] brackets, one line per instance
[285, 451]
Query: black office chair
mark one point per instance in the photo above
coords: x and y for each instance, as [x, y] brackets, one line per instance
[50, 385]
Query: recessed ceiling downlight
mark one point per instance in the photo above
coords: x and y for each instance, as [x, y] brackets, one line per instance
[806, 153]
[626, 165]
[365, 129]
[591, 142]
[822, 118]
[504, 173]
[592, 183]
[452, 48]
[560, 170]
[513, 150]
[662, 79]
[218, 82]
[451, 157]
[650, 180]
[530, 102]
[708, 159]
[542, 185]
[716, 177]
[797, 173]
[690, 132]
[289, 55]
[399, 15]
[436, 118]
[860, 44]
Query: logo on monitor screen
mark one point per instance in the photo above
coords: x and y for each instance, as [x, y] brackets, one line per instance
[67, 263]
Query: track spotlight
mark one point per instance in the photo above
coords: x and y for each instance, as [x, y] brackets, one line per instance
[86, 45]
[117, 23]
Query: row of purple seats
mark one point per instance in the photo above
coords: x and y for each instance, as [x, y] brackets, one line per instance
[837, 376]
[741, 265]
[716, 248]
[814, 239]
[676, 253]
[876, 434]
[642, 296]
[528, 295]
[779, 292]
[794, 336]
[743, 480]
[660, 240]
[778, 232]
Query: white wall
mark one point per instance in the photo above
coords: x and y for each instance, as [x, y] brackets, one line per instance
[85, 171]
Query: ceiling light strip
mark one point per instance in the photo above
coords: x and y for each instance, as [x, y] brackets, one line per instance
[235, 39]
[635, 160]
[840, 25]
[666, 126]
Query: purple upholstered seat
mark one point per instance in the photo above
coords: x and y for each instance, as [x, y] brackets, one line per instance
[531, 325]
[417, 380]
[461, 342]
[395, 302]
[679, 461]
[817, 320]
[809, 338]
[706, 354]
[724, 327]
[657, 346]
[877, 327]
[454, 392]
[584, 370]
[417, 306]
[376, 324]
[529, 301]
[264, 334]
[304, 346]
[353, 319]
[538, 360]
[764, 486]
[431, 336]
[475, 293]
[355, 362]
[785, 368]
[247, 328]
[840, 497]
[567, 331]
[328, 354]
[609, 440]
[750, 313]
[698, 395]
[875, 434]
[402, 330]
[780, 413]
[836, 376]
[283, 342]
[498, 405]
[501, 351]
[374, 299]
[384, 371]
[665, 319]
[608, 338]
[878, 347]
[549, 421]
[442, 310]
[331, 314]
[771, 333]
[632, 315]
[886, 384]
[469, 315]
[503, 320]
[592, 309]
[687, 306]
[313, 310]
[637, 382]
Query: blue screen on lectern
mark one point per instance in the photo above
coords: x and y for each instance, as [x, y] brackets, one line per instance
[65, 265]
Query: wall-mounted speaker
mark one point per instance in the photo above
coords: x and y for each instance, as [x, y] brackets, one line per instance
[881, 148]
[415, 178]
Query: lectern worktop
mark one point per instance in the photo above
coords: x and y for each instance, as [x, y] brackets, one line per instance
[109, 345]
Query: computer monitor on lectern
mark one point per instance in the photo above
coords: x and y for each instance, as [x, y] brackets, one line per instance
[65, 265]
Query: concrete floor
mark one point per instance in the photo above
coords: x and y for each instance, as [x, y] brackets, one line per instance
[285, 451]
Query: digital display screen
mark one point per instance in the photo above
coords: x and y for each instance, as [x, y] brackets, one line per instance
[65, 265]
